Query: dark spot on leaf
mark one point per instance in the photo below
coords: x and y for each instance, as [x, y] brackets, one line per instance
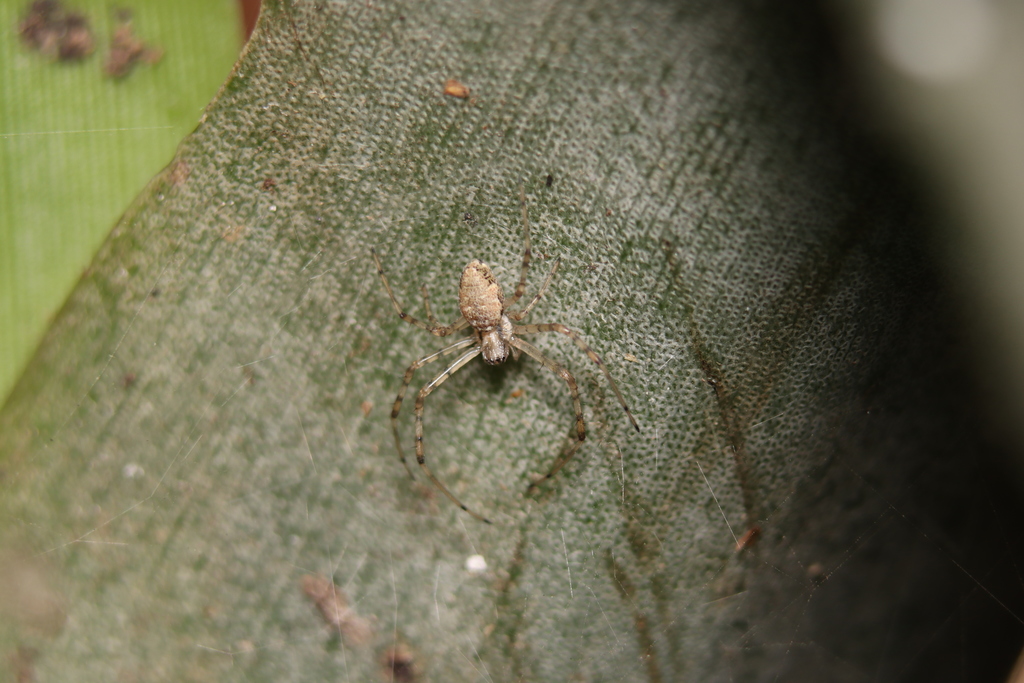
[399, 664]
[55, 32]
[126, 50]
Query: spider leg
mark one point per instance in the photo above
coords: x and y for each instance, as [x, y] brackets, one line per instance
[431, 320]
[429, 358]
[521, 287]
[581, 427]
[519, 315]
[424, 392]
[572, 334]
[436, 330]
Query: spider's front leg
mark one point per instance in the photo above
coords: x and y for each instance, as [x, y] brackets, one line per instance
[421, 457]
[397, 407]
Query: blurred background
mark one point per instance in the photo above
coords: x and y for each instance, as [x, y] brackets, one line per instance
[940, 81]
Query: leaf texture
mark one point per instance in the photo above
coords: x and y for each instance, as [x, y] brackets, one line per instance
[208, 420]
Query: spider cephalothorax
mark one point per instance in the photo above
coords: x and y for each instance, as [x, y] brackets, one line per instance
[485, 310]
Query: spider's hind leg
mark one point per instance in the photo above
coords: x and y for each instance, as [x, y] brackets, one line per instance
[580, 425]
[574, 335]
[420, 398]
[407, 379]
[432, 327]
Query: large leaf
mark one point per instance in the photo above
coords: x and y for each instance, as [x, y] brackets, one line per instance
[77, 145]
[208, 420]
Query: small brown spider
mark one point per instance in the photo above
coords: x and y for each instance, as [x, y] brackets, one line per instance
[484, 308]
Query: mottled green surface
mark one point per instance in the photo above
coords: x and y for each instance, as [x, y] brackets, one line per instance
[207, 422]
[76, 146]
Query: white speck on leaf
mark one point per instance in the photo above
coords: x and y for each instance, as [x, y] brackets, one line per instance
[476, 564]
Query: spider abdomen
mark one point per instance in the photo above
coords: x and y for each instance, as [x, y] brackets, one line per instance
[480, 297]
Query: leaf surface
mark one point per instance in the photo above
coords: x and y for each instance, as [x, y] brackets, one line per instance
[208, 420]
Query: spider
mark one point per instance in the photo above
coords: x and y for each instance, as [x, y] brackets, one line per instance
[495, 336]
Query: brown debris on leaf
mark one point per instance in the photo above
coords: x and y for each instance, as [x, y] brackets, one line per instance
[55, 32]
[748, 539]
[233, 233]
[178, 173]
[28, 595]
[399, 664]
[22, 663]
[454, 88]
[332, 604]
[126, 50]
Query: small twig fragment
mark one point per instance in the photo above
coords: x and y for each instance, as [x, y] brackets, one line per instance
[748, 539]
[333, 606]
[233, 233]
